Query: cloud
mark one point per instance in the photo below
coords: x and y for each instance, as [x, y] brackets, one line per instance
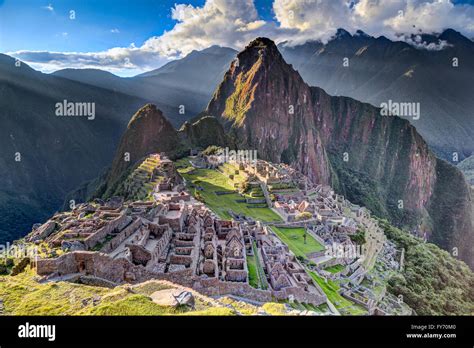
[416, 41]
[313, 19]
[116, 60]
[413, 16]
[319, 19]
[233, 23]
[114, 31]
[48, 8]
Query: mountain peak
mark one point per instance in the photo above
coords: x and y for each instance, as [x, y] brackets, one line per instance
[147, 111]
[261, 49]
[265, 104]
[452, 36]
[262, 42]
[147, 132]
[361, 33]
[342, 33]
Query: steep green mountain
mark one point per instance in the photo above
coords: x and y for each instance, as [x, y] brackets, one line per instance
[379, 162]
[204, 132]
[433, 282]
[56, 154]
[437, 74]
[265, 105]
[147, 132]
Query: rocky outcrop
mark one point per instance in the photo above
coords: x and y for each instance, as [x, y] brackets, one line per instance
[42, 232]
[266, 106]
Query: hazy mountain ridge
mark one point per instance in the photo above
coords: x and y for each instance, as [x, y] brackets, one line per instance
[57, 153]
[380, 70]
[187, 82]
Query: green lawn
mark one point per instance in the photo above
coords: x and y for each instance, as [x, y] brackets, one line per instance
[330, 288]
[293, 237]
[212, 181]
[254, 279]
[260, 271]
[334, 269]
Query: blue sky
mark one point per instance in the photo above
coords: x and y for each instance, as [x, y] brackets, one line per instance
[30, 24]
[33, 25]
[128, 37]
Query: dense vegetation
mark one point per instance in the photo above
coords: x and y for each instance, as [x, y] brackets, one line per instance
[359, 237]
[432, 282]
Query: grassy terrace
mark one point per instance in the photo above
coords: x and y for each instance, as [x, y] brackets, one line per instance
[257, 277]
[334, 269]
[212, 181]
[323, 308]
[254, 279]
[293, 237]
[331, 288]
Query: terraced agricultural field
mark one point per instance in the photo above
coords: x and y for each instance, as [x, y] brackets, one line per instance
[218, 193]
[293, 237]
[331, 288]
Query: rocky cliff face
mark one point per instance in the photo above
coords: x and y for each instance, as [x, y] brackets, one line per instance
[397, 165]
[266, 106]
[204, 132]
[380, 162]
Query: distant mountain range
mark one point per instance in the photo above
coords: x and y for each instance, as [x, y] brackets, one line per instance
[43, 156]
[377, 70]
[380, 70]
[188, 82]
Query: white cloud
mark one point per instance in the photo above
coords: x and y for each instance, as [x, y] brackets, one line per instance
[114, 31]
[48, 8]
[314, 19]
[230, 23]
[116, 60]
[319, 19]
[233, 23]
[417, 41]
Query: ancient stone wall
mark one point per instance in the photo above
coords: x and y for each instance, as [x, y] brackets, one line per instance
[117, 240]
[117, 223]
[216, 287]
[121, 270]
